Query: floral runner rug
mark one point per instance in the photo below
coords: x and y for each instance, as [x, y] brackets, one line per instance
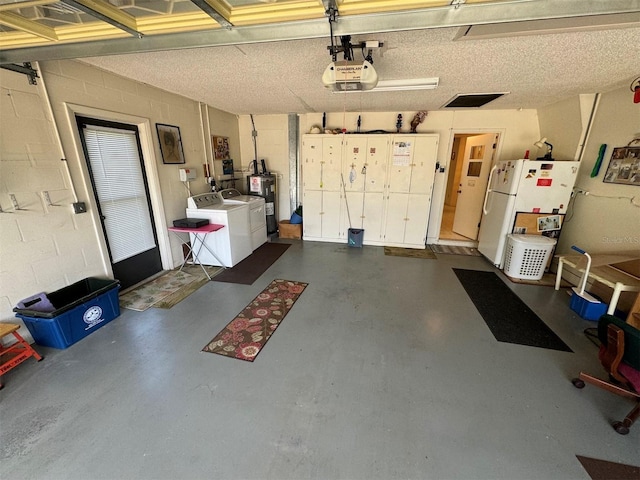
[245, 335]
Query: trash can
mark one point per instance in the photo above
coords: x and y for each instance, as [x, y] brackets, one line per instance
[526, 256]
[355, 237]
[79, 310]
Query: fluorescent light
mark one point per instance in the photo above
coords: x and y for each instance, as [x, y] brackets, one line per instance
[400, 85]
[411, 84]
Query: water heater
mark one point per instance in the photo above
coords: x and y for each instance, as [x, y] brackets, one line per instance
[264, 185]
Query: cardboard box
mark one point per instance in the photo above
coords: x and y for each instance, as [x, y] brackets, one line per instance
[289, 230]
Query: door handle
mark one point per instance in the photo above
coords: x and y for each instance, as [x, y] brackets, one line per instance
[486, 195]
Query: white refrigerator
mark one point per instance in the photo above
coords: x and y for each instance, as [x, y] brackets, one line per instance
[533, 186]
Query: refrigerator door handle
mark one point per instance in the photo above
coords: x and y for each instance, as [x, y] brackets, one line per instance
[486, 195]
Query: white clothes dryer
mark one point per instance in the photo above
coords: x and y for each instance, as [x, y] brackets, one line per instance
[257, 214]
[231, 244]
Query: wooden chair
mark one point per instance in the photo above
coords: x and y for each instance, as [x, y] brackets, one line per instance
[13, 355]
[620, 356]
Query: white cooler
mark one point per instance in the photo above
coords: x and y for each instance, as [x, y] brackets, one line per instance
[526, 256]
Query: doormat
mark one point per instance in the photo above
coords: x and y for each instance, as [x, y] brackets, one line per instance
[146, 295]
[250, 269]
[195, 270]
[410, 252]
[244, 337]
[604, 470]
[455, 250]
[508, 317]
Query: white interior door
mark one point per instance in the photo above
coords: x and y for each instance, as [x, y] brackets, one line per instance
[477, 160]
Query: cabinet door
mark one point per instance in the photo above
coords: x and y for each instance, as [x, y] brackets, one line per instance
[312, 224]
[311, 161]
[353, 212]
[373, 216]
[417, 218]
[331, 204]
[332, 163]
[377, 160]
[354, 159]
[423, 164]
[401, 158]
[396, 217]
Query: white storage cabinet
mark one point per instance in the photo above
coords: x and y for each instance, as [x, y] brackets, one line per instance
[388, 181]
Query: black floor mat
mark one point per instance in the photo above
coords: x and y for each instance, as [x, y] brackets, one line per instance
[249, 270]
[508, 318]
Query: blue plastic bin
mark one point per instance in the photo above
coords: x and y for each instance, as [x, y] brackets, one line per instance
[80, 309]
[586, 309]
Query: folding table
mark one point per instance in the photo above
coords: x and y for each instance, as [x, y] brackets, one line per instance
[199, 235]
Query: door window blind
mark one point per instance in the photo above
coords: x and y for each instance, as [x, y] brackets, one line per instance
[117, 176]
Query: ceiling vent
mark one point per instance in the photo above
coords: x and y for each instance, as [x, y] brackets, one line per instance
[472, 100]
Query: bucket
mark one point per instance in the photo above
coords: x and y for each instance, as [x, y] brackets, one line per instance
[583, 303]
[586, 308]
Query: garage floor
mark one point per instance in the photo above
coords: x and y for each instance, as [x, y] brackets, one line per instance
[383, 369]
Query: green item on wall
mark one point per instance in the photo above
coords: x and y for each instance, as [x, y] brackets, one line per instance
[596, 167]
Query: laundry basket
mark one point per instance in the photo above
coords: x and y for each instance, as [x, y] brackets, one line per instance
[526, 256]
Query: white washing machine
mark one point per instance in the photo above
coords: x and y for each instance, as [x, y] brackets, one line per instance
[257, 214]
[231, 244]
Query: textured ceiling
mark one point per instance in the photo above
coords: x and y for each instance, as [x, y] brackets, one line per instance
[268, 56]
[285, 77]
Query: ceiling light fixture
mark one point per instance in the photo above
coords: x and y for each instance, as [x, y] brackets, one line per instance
[410, 84]
[400, 85]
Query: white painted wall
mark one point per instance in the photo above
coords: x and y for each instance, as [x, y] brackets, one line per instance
[606, 220]
[561, 123]
[46, 248]
[273, 146]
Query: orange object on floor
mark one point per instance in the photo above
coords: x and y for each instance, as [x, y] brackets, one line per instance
[16, 353]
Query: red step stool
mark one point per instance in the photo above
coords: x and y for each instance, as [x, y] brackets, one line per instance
[16, 353]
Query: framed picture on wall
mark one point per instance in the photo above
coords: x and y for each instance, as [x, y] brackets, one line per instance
[624, 166]
[220, 148]
[170, 143]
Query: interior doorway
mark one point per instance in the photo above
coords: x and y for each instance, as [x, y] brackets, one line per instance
[472, 156]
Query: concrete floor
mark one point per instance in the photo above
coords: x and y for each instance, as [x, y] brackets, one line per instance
[383, 369]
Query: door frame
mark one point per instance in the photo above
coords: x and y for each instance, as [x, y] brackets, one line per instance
[149, 159]
[453, 132]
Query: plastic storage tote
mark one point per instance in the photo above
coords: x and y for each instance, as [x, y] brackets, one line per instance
[526, 256]
[80, 309]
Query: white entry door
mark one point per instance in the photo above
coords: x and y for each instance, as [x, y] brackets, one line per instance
[477, 161]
